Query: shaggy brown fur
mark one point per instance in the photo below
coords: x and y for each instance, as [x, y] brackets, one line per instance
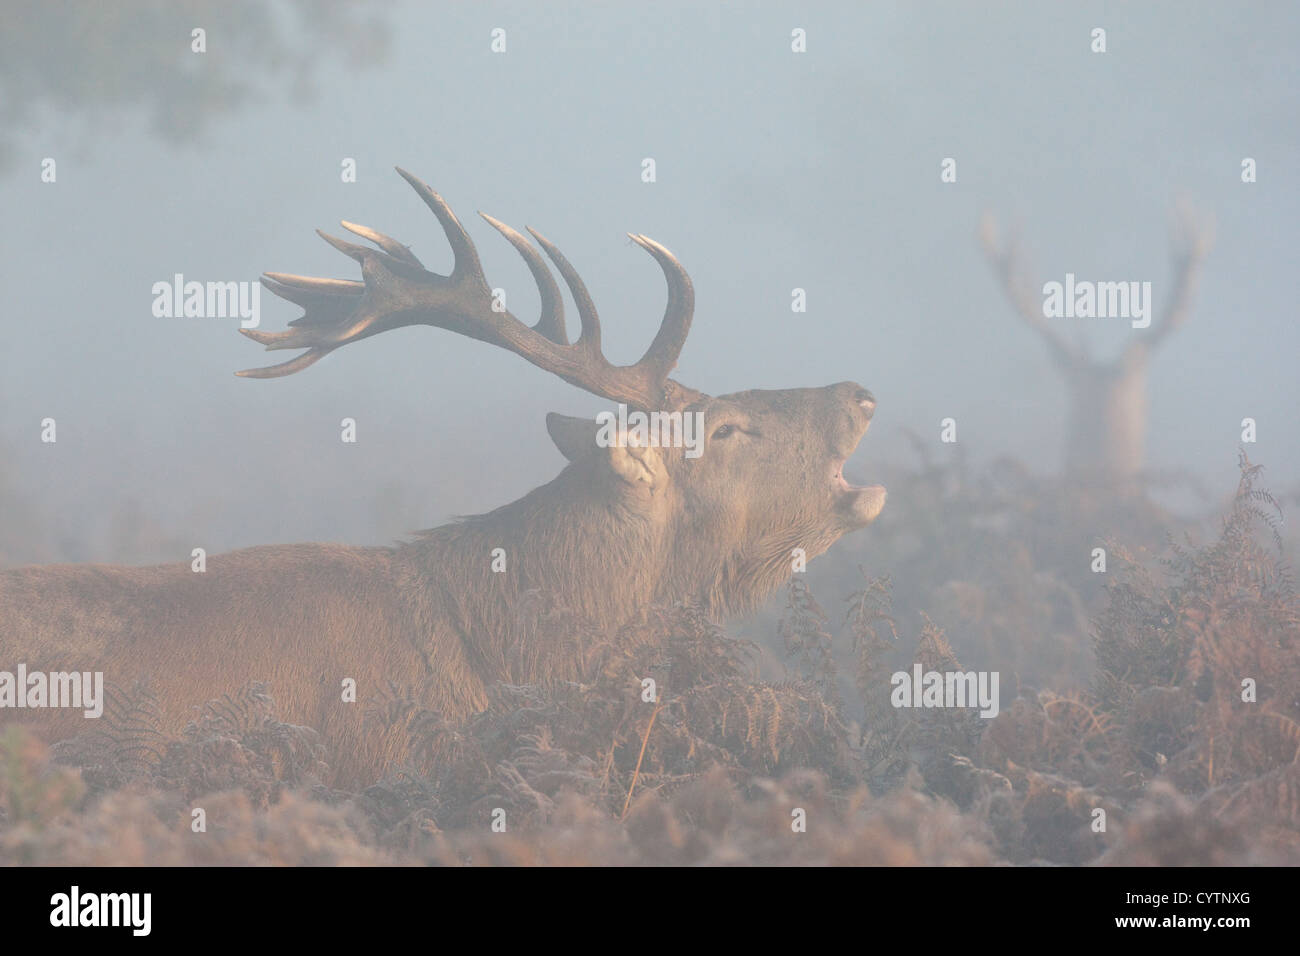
[620, 529]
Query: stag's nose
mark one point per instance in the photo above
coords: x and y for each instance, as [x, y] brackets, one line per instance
[853, 395]
[864, 400]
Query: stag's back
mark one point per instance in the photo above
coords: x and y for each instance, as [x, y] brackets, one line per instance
[299, 617]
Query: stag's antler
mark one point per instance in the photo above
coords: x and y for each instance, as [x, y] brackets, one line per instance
[1006, 262]
[397, 291]
[1192, 238]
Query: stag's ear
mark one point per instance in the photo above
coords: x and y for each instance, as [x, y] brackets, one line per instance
[637, 465]
[575, 437]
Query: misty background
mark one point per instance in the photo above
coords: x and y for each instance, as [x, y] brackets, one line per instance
[775, 170]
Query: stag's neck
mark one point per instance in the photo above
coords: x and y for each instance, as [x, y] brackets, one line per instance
[569, 559]
[571, 546]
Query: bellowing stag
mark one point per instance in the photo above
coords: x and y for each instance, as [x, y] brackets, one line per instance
[624, 526]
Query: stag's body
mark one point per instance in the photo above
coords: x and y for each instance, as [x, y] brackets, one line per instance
[429, 617]
[623, 527]
[1107, 420]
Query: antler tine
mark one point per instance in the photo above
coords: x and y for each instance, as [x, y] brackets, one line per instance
[551, 324]
[587, 315]
[661, 357]
[307, 291]
[462, 247]
[1192, 239]
[297, 364]
[1006, 261]
[390, 245]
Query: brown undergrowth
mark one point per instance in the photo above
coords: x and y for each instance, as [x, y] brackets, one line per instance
[668, 748]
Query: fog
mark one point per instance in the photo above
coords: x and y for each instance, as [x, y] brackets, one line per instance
[775, 170]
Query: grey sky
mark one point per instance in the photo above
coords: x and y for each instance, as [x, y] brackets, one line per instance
[775, 170]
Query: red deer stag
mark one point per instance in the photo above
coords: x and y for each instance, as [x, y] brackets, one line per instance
[626, 524]
[1107, 420]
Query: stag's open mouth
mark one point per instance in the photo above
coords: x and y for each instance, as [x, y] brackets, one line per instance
[860, 503]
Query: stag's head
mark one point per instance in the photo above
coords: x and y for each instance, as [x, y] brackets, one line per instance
[765, 479]
[750, 477]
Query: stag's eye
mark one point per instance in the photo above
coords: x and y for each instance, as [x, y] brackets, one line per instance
[724, 430]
